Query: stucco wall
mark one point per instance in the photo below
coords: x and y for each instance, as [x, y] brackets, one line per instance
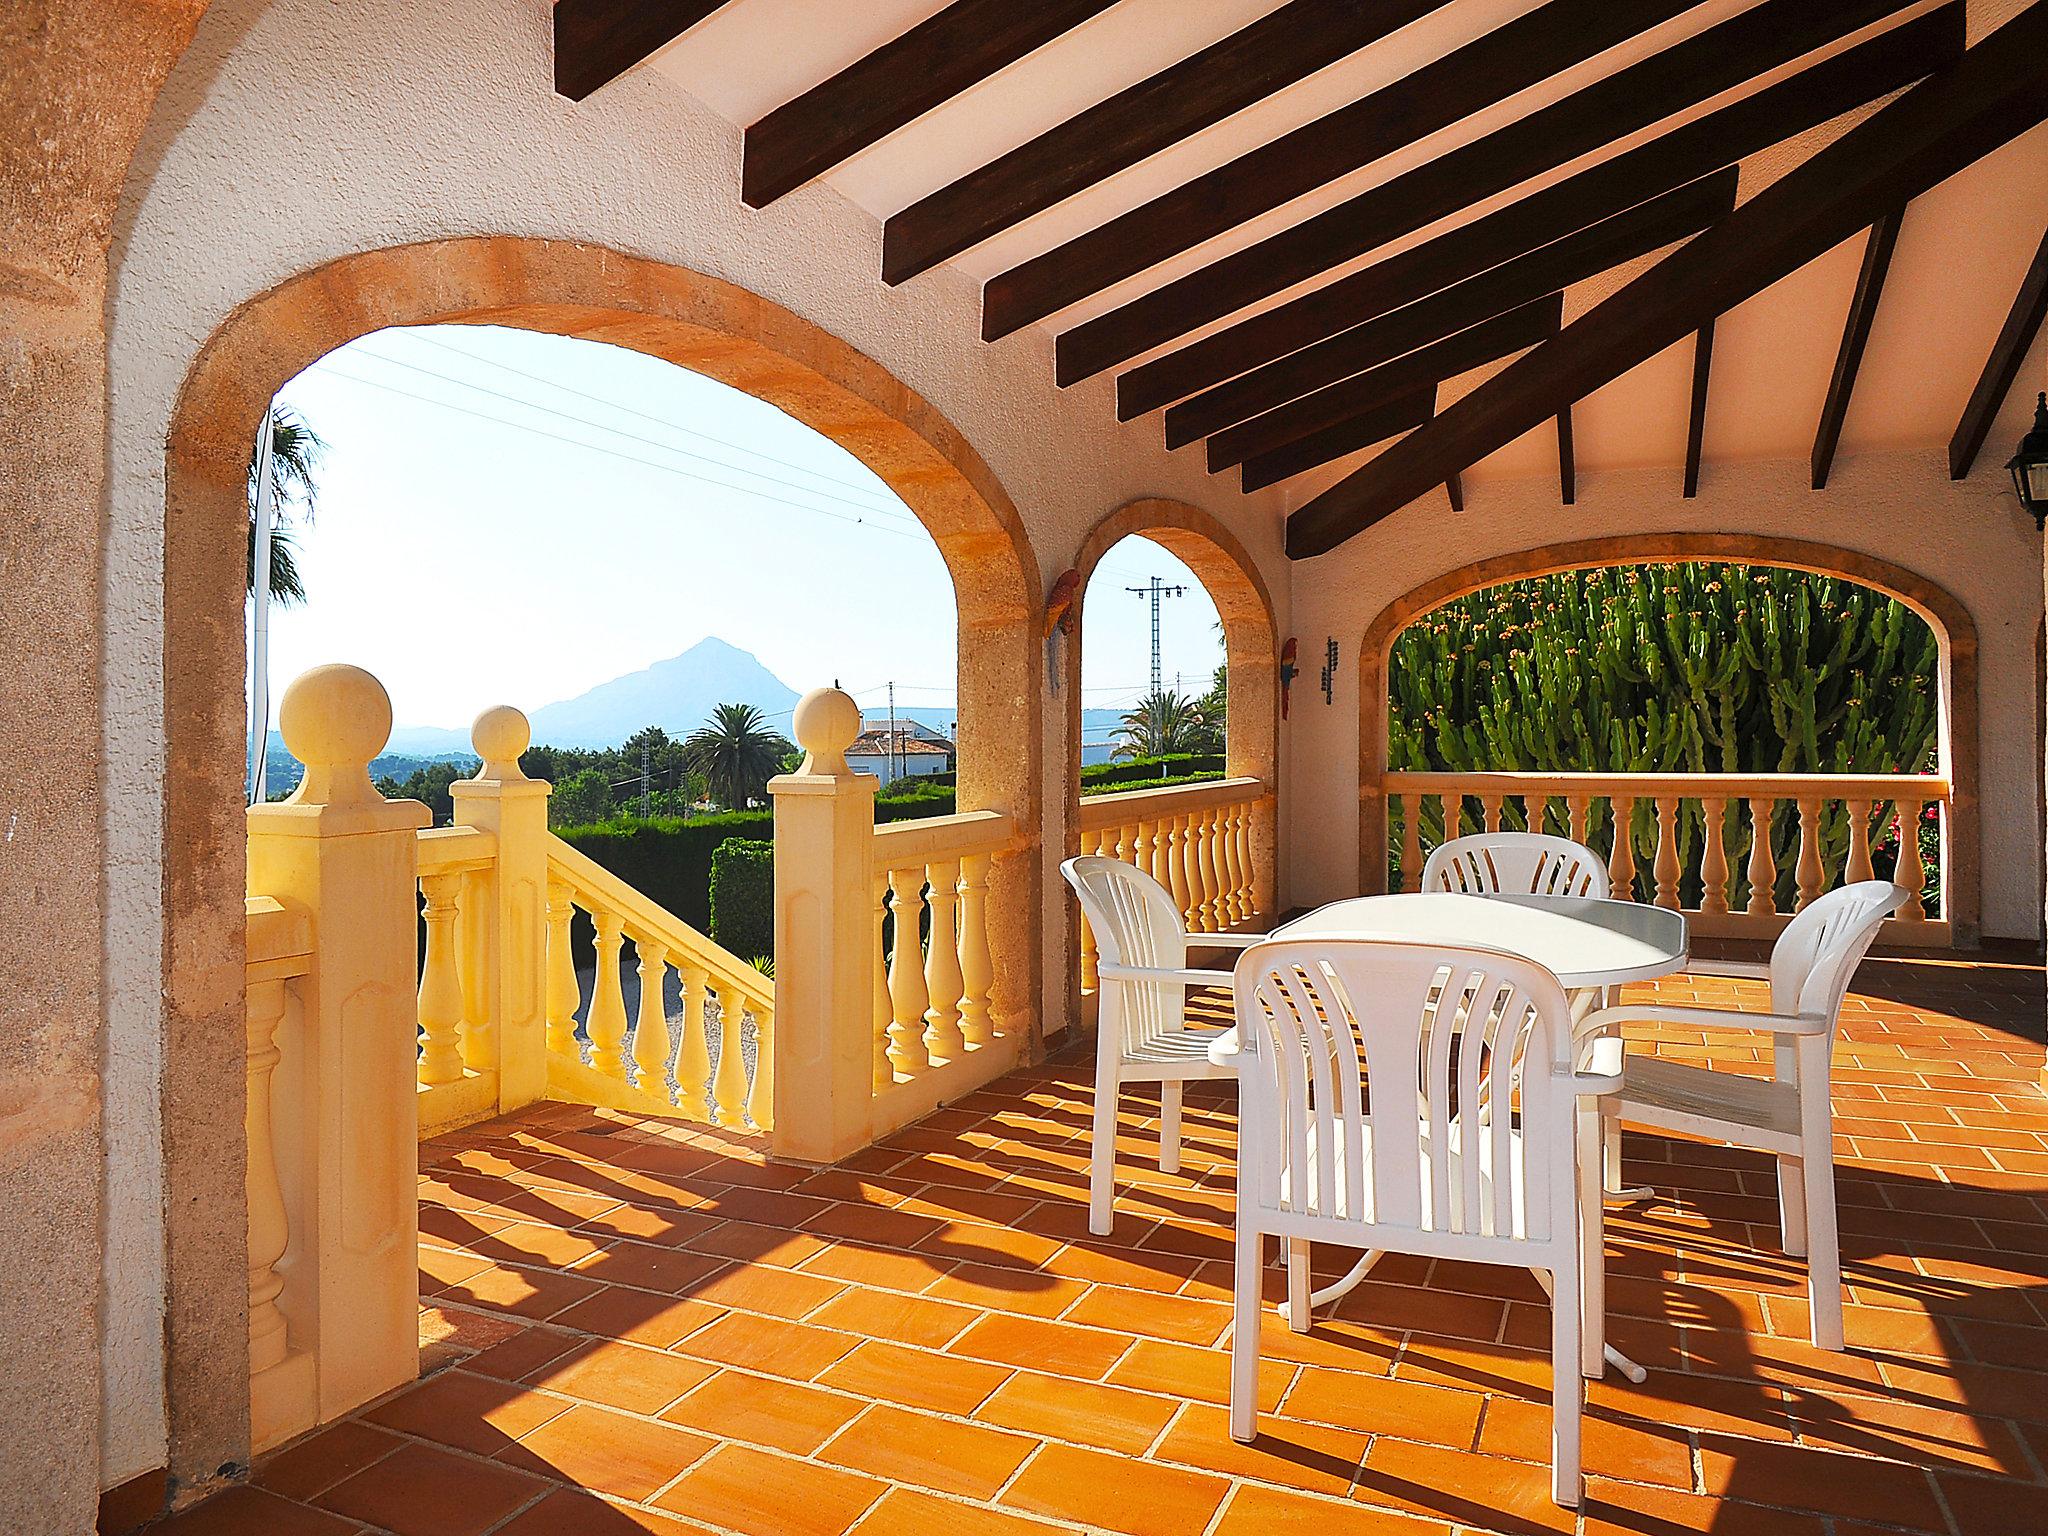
[1967, 537]
[299, 131]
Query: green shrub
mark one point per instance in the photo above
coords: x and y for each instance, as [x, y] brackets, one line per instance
[743, 896]
[1151, 772]
[666, 858]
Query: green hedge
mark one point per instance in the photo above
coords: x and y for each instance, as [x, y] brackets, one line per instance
[1151, 772]
[743, 896]
[666, 858]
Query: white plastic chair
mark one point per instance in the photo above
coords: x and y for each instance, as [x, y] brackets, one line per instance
[1515, 863]
[1142, 1034]
[1790, 1113]
[1412, 1098]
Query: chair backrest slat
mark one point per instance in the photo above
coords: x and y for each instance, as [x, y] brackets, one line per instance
[1515, 864]
[1135, 923]
[1438, 1059]
[1816, 956]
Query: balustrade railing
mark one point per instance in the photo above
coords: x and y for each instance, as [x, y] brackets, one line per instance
[934, 1020]
[457, 1066]
[1692, 842]
[1203, 842]
[716, 1065]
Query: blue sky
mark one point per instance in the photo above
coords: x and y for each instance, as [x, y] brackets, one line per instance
[507, 517]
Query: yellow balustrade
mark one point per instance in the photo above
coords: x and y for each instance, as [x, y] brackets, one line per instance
[1197, 840]
[1718, 838]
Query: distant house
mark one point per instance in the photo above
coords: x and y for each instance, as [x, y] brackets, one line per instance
[911, 750]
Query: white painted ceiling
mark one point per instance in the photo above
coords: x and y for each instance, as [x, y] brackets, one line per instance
[1960, 255]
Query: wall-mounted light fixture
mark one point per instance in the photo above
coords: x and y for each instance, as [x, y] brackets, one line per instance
[2029, 467]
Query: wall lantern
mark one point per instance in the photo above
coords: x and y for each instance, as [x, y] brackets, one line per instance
[2029, 466]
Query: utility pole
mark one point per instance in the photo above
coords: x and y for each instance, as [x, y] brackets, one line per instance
[646, 783]
[893, 741]
[1156, 590]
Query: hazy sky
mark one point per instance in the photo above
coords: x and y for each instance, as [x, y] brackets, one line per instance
[508, 517]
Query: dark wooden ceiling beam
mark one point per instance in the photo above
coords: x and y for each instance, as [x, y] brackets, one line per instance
[1696, 415]
[1657, 223]
[1269, 55]
[1583, 121]
[896, 84]
[1877, 261]
[1334, 441]
[596, 41]
[1488, 342]
[2022, 324]
[1511, 58]
[1886, 63]
[1997, 91]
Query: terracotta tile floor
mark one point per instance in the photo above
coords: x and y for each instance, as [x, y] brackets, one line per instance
[639, 1327]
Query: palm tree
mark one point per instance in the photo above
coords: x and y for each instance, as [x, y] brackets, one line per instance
[295, 453]
[1164, 722]
[736, 753]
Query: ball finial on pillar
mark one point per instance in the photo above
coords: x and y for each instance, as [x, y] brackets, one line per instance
[827, 723]
[334, 719]
[500, 734]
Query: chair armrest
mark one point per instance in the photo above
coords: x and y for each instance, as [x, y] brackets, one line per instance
[1704, 1018]
[1226, 940]
[1187, 978]
[1225, 1049]
[1596, 1082]
[1747, 970]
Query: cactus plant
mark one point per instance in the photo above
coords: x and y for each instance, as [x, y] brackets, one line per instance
[1696, 667]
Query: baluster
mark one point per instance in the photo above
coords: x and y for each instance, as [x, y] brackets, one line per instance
[1714, 861]
[1177, 869]
[693, 1060]
[1666, 867]
[1621, 857]
[1234, 904]
[1452, 804]
[942, 1038]
[885, 1072]
[1194, 839]
[1489, 806]
[1205, 869]
[440, 1005]
[472, 929]
[1580, 807]
[269, 1230]
[1912, 868]
[1137, 848]
[977, 965]
[606, 1024]
[1411, 842]
[761, 1096]
[1091, 842]
[1153, 845]
[1763, 864]
[907, 998]
[1810, 873]
[650, 1030]
[1244, 900]
[729, 1080]
[563, 991]
[1858, 868]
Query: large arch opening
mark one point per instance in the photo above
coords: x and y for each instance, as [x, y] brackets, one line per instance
[699, 323]
[1955, 710]
[1250, 749]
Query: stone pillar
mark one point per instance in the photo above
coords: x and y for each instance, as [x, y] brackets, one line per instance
[514, 946]
[825, 951]
[347, 1119]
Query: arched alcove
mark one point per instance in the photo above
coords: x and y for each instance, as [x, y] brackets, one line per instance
[565, 288]
[1957, 732]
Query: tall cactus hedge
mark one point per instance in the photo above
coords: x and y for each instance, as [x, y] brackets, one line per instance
[1691, 668]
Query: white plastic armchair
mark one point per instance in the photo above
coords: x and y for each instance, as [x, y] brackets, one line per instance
[1788, 1114]
[1446, 1171]
[1515, 864]
[1142, 1033]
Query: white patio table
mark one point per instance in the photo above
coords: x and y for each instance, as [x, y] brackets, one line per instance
[1588, 943]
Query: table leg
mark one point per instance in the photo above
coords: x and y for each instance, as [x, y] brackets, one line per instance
[1337, 1289]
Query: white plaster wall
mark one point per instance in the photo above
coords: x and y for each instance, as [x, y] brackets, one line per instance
[299, 131]
[1968, 537]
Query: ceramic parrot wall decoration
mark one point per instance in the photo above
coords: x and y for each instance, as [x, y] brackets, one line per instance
[1288, 672]
[1062, 612]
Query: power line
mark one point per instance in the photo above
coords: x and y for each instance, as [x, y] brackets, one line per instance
[598, 426]
[669, 469]
[419, 334]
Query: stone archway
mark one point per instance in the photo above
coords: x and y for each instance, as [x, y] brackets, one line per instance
[1956, 632]
[1244, 604]
[565, 288]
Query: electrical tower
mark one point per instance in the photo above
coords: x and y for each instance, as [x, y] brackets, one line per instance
[1156, 590]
